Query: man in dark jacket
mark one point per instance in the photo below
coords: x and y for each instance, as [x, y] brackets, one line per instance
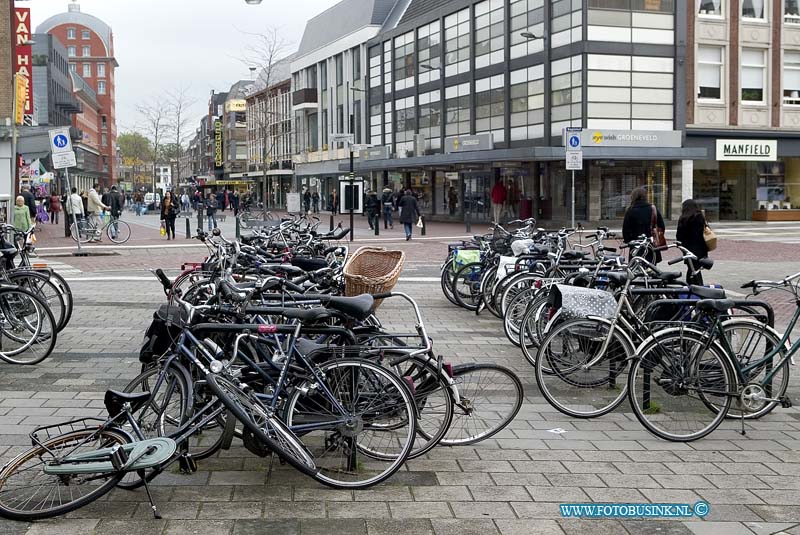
[30, 201]
[639, 220]
[409, 212]
[387, 200]
[373, 207]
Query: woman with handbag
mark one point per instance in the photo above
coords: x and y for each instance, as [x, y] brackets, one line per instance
[643, 218]
[409, 212]
[694, 234]
[169, 211]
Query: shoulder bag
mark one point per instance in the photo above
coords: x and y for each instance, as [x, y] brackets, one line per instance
[710, 238]
[659, 240]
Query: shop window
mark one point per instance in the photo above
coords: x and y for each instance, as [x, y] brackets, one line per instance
[429, 50]
[753, 70]
[489, 33]
[404, 61]
[618, 180]
[457, 42]
[791, 78]
[709, 72]
[657, 6]
[457, 109]
[754, 9]
[791, 11]
[713, 8]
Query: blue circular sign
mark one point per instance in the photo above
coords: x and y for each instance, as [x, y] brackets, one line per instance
[60, 141]
[574, 141]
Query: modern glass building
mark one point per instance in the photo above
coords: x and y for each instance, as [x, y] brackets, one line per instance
[462, 94]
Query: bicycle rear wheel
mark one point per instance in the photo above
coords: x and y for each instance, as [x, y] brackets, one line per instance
[490, 396]
[447, 281]
[466, 285]
[40, 285]
[27, 327]
[81, 233]
[28, 493]
[680, 390]
[118, 232]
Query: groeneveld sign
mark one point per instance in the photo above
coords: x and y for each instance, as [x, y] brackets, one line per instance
[748, 150]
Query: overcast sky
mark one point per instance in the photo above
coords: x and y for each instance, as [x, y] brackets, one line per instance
[161, 44]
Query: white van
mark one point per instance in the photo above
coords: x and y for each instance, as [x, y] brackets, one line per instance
[148, 201]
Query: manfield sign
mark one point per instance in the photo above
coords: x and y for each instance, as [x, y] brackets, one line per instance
[758, 150]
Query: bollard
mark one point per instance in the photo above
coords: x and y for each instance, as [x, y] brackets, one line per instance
[377, 219]
[188, 229]
[238, 229]
[331, 229]
[422, 233]
[199, 217]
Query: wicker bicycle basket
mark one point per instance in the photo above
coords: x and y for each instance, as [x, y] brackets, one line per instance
[373, 270]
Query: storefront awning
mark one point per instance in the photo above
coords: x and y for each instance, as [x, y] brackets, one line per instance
[532, 154]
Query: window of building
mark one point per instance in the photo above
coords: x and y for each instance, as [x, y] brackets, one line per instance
[754, 9]
[405, 126]
[85, 35]
[565, 97]
[72, 51]
[355, 56]
[104, 140]
[387, 123]
[73, 67]
[87, 70]
[709, 72]
[490, 107]
[489, 33]
[70, 33]
[457, 109]
[101, 87]
[339, 63]
[325, 128]
[404, 61]
[104, 121]
[712, 8]
[101, 70]
[429, 50]
[86, 51]
[791, 11]
[527, 103]
[791, 78]
[456, 43]
[430, 118]
[375, 118]
[526, 16]
[323, 71]
[753, 71]
[387, 66]
[375, 66]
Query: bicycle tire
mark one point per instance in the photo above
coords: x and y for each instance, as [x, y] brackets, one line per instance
[532, 326]
[515, 311]
[332, 471]
[683, 373]
[468, 296]
[79, 234]
[563, 378]
[39, 284]
[446, 281]
[37, 454]
[66, 290]
[44, 332]
[277, 437]
[509, 394]
[123, 229]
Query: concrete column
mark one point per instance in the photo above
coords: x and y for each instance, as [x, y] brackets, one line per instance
[595, 190]
[687, 183]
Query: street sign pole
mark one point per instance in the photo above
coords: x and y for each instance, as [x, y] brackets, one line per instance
[574, 159]
[573, 200]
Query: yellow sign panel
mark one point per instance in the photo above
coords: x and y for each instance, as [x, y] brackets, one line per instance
[21, 93]
[597, 137]
[235, 105]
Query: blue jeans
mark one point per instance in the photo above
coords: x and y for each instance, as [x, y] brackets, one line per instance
[409, 227]
[387, 216]
[212, 219]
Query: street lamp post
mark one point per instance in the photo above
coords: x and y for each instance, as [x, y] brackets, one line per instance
[352, 175]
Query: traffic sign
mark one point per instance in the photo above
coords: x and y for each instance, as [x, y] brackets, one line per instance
[60, 140]
[62, 160]
[574, 160]
[572, 137]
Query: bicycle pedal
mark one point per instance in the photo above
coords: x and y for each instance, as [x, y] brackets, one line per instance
[786, 402]
[187, 464]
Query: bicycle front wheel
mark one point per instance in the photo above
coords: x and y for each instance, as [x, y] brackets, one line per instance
[569, 374]
[360, 426]
[681, 387]
[118, 231]
[466, 285]
[489, 398]
[27, 327]
[43, 287]
[28, 493]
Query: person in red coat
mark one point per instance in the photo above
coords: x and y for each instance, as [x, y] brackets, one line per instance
[498, 199]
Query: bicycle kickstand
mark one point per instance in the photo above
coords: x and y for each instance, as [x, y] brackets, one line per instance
[143, 475]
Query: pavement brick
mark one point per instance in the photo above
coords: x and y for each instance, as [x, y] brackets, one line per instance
[358, 510]
[198, 527]
[230, 510]
[464, 527]
[420, 510]
[482, 510]
[258, 527]
[395, 526]
[441, 494]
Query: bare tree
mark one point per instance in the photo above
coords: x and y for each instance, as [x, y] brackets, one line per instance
[155, 118]
[179, 104]
[264, 53]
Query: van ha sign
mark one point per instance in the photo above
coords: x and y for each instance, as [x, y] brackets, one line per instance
[759, 150]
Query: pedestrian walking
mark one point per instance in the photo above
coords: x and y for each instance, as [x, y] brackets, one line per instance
[640, 219]
[185, 202]
[387, 201]
[498, 200]
[333, 202]
[211, 211]
[373, 206]
[691, 227]
[409, 212]
[235, 203]
[315, 201]
[55, 208]
[94, 207]
[30, 200]
[116, 202]
[452, 200]
[22, 215]
[221, 200]
[169, 211]
[138, 199]
[307, 201]
[74, 205]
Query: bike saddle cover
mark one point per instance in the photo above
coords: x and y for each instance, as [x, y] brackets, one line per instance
[617, 278]
[309, 263]
[715, 305]
[114, 400]
[305, 346]
[359, 307]
[707, 293]
[669, 276]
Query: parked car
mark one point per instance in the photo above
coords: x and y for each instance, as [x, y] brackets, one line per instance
[152, 201]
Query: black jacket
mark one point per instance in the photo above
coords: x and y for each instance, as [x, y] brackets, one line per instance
[169, 213]
[30, 202]
[638, 221]
[690, 234]
[116, 201]
[373, 205]
[409, 211]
